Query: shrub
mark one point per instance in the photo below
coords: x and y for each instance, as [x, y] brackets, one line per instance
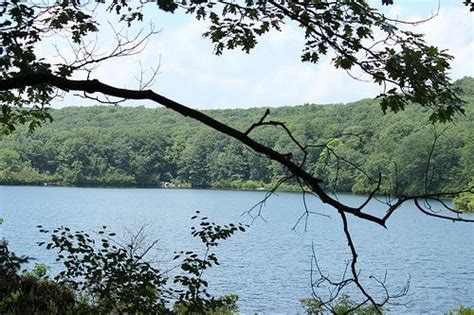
[344, 305]
[105, 276]
[30, 292]
[109, 276]
[461, 310]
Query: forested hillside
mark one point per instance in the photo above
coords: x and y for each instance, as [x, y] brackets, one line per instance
[124, 146]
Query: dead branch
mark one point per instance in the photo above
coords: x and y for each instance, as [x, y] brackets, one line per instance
[259, 205]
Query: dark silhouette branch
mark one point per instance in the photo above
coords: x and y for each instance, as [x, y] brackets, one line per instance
[437, 215]
[306, 212]
[21, 81]
[259, 205]
[436, 136]
[355, 274]
[255, 125]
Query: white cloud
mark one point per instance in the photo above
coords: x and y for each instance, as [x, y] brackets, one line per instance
[453, 29]
[272, 74]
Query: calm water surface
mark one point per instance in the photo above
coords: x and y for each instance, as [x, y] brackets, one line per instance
[269, 265]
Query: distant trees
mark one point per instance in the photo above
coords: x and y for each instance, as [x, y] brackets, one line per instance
[85, 152]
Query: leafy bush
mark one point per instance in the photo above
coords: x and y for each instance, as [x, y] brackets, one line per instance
[228, 307]
[461, 310]
[464, 202]
[104, 276]
[30, 292]
[344, 305]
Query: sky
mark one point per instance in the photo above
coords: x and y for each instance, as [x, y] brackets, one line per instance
[272, 74]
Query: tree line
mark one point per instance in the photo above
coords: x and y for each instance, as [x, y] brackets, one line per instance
[347, 145]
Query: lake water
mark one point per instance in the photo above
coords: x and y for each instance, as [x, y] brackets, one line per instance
[269, 265]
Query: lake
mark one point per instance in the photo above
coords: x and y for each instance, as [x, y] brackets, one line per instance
[268, 266]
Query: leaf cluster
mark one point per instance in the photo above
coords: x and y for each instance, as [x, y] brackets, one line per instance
[107, 275]
[194, 287]
[23, 27]
[344, 305]
[30, 292]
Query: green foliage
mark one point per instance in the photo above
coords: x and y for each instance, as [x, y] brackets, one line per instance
[342, 306]
[30, 292]
[103, 275]
[461, 310]
[39, 270]
[228, 306]
[195, 297]
[465, 201]
[113, 276]
[20, 33]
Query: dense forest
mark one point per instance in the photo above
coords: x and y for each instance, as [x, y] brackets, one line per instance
[349, 145]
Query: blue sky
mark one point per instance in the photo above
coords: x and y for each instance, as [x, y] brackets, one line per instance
[272, 74]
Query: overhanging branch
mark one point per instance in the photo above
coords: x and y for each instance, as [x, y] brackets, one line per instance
[21, 81]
